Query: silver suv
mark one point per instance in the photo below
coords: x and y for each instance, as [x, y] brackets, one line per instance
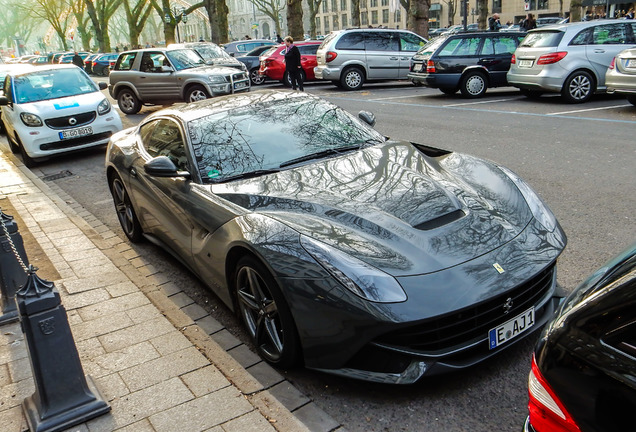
[348, 58]
[569, 58]
[164, 75]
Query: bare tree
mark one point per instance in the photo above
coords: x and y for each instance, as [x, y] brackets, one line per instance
[482, 7]
[418, 12]
[575, 10]
[170, 18]
[82, 23]
[410, 20]
[295, 19]
[314, 8]
[100, 12]
[355, 13]
[452, 10]
[55, 12]
[271, 8]
[136, 16]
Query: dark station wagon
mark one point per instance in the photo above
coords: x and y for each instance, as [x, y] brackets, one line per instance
[469, 62]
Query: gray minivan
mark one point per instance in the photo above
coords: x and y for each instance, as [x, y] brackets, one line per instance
[349, 58]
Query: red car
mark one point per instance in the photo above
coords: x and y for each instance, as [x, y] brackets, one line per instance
[273, 62]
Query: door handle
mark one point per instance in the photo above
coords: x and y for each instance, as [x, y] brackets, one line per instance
[393, 58]
[598, 50]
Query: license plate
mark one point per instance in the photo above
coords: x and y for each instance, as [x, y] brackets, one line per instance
[240, 85]
[75, 133]
[417, 67]
[511, 329]
[525, 63]
[631, 63]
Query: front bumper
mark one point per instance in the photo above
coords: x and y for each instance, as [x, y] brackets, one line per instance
[225, 88]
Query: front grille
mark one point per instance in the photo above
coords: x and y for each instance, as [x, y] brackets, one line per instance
[74, 142]
[239, 77]
[64, 122]
[470, 324]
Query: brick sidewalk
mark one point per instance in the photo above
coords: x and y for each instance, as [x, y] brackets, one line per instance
[154, 362]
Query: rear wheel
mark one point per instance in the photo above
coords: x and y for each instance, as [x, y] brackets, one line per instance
[196, 93]
[448, 90]
[125, 211]
[473, 85]
[256, 78]
[352, 78]
[28, 161]
[128, 102]
[631, 100]
[578, 88]
[265, 314]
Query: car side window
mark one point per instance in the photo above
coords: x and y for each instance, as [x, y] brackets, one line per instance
[125, 61]
[351, 41]
[308, 49]
[463, 47]
[410, 42]
[381, 41]
[631, 30]
[152, 62]
[505, 45]
[488, 47]
[163, 138]
[607, 34]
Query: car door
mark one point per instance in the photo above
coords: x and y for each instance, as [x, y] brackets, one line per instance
[496, 54]
[162, 203]
[155, 84]
[308, 59]
[382, 50]
[8, 112]
[607, 41]
[409, 45]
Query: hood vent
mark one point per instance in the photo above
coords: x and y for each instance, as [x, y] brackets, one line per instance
[441, 220]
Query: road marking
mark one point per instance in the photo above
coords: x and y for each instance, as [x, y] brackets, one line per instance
[396, 97]
[480, 102]
[589, 109]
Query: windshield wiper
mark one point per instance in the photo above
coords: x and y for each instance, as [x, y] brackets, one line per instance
[246, 175]
[321, 154]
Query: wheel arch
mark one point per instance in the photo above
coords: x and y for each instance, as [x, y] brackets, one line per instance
[119, 87]
[476, 68]
[186, 88]
[583, 69]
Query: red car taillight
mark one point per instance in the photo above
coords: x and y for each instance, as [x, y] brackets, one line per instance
[613, 63]
[330, 56]
[551, 58]
[430, 66]
[547, 413]
[513, 60]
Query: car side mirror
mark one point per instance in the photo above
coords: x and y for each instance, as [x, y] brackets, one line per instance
[232, 54]
[367, 117]
[165, 68]
[4, 101]
[162, 166]
[102, 85]
[209, 62]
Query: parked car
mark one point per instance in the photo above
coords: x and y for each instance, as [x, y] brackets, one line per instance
[68, 58]
[212, 54]
[55, 57]
[544, 21]
[621, 75]
[349, 58]
[273, 62]
[238, 48]
[362, 256]
[252, 63]
[26, 58]
[39, 60]
[88, 62]
[583, 376]
[5, 68]
[55, 109]
[469, 62]
[163, 75]
[100, 65]
[570, 59]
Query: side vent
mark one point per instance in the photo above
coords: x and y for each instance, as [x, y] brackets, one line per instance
[441, 220]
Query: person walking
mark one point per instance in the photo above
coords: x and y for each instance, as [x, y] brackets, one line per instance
[78, 61]
[529, 23]
[493, 22]
[630, 14]
[292, 64]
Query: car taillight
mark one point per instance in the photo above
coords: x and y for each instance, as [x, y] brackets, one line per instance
[613, 63]
[430, 66]
[330, 56]
[513, 60]
[547, 413]
[551, 58]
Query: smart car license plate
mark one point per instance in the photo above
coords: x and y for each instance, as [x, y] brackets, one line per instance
[511, 329]
[240, 85]
[525, 63]
[75, 133]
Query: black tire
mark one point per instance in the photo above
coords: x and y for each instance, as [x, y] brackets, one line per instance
[265, 314]
[531, 94]
[448, 90]
[196, 93]
[473, 85]
[27, 160]
[578, 88]
[255, 77]
[104, 71]
[128, 102]
[352, 78]
[631, 100]
[125, 211]
[15, 148]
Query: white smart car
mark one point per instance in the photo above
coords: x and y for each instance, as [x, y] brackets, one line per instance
[55, 109]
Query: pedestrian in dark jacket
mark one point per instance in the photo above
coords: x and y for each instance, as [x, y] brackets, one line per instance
[493, 22]
[292, 64]
[529, 23]
[78, 61]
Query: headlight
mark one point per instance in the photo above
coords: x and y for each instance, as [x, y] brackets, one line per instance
[30, 119]
[357, 276]
[540, 211]
[103, 107]
[216, 79]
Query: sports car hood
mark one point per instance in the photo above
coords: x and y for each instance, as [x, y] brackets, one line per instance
[392, 206]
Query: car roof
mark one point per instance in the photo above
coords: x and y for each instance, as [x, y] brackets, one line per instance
[577, 25]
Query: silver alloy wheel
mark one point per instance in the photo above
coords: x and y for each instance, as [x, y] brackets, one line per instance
[580, 87]
[127, 102]
[125, 211]
[475, 85]
[257, 79]
[353, 79]
[197, 95]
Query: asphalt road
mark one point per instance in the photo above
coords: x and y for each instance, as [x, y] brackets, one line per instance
[581, 159]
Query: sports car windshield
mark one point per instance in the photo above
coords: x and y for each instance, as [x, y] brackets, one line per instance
[52, 84]
[185, 59]
[274, 134]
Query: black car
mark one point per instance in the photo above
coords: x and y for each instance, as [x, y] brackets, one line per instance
[252, 62]
[583, 376]
[469, 62]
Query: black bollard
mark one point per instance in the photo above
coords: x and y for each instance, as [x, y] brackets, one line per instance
[13, 264]
[63, 396]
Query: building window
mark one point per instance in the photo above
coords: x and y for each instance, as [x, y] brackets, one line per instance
[398, 15]
[363, 5]
[334, 5]
[385, 16]
[364, 18]
[335, 22]
[343, 5]
[496, 6]
[326, 22]
[344, 20]
[374, 17]
[543, 4]
[374, 3]
[318, 24]
[325, 9]
[385, 2]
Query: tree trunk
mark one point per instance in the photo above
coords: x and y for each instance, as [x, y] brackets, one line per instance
[575, 10]
[295, 19]
[355, 13]
[482, 5]
[419, 13]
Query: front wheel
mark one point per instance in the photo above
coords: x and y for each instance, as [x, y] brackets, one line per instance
[27, 160]
[473, 85]
[128, 102]
[196, 93]
[256, 78]
[125, 211]
[578, 88]
[352, 78]
[265, 314]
